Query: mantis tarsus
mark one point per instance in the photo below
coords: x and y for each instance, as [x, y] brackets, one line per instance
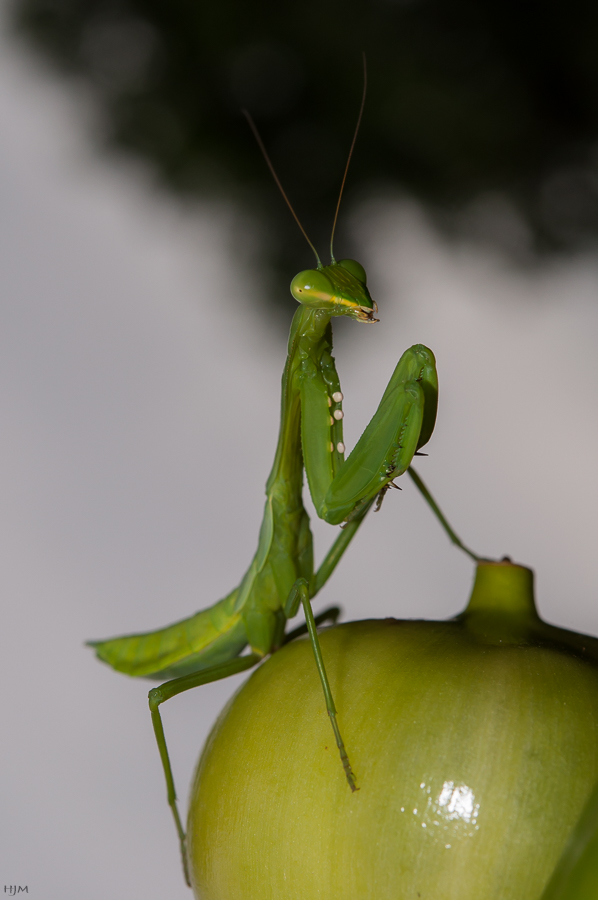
[208, 646]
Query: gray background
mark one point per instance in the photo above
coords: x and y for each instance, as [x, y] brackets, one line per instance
[139, 392]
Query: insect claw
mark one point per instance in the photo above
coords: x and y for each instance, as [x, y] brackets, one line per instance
[419, 453]
[382, 493]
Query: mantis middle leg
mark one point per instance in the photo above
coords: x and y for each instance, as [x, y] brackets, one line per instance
[300, 594]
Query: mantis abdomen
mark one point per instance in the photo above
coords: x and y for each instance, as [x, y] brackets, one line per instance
[209, 637]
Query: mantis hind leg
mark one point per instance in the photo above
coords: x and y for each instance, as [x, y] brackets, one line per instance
[170, 689]
[300, 594]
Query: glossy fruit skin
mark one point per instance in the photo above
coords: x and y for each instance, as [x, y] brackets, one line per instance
[474, 742]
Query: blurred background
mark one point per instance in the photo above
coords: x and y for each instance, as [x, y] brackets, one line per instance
[145, 258]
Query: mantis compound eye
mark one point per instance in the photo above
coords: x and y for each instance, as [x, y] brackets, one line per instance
[355, 268]
[312, 288]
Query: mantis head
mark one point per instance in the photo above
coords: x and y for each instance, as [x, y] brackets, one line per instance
[339, 288]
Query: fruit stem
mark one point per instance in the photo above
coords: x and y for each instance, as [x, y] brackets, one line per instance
[502, 590]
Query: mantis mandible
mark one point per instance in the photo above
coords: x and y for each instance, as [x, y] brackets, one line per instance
[208, 645]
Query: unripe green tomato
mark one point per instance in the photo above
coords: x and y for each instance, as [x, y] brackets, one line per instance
[474, 743]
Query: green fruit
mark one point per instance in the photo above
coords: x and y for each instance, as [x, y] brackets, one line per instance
[474, 743]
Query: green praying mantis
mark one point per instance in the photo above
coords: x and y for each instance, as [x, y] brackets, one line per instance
[208, 646]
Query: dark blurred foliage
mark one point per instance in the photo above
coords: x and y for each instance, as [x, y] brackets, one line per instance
[466, 98]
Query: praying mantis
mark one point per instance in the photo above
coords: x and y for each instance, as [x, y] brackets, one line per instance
[208, 646]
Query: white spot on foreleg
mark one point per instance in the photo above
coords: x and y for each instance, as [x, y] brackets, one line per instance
[338, 414]
[337, 397]
[340, 447]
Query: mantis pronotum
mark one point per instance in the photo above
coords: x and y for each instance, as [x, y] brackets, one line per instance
[208, 646]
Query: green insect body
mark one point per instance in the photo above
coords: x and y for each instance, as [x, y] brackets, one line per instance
[208, 645]
[311, 435]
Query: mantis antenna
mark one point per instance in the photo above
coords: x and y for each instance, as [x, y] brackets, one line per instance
[338, 205]
[260, 143]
